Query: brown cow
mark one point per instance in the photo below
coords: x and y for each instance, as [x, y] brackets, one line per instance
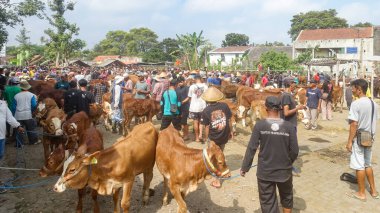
[107, 111]
[96, 111]
[246, 95]
[92, 142]
[52, 130]
[115, 167]
[138, 108]
[75, 127]
[258, 111]
[337, 98]
[56, 94]
[44, 107]
[229, 91]
[38, 86]
[233, 107]
[183, 168]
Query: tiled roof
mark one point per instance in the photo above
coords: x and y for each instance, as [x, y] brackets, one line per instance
[231, 49]
[340, 33]
[102, 58]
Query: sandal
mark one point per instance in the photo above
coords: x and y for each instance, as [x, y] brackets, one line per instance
[215, 186]
[376, 196]
[355, 196]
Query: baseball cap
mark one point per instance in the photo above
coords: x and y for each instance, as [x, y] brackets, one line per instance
[273, 102]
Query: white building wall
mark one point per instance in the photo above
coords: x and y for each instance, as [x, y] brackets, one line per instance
[228, 58]
[364, 50]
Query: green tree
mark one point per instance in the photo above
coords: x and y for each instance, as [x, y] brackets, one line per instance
[23, 39]
[115, 43]
[235, 39]
[275, 61]
[166, 50]
[142, 40]
[61, 43]
[11, 14]
[365, 24]
[189, 45]
[315, 20]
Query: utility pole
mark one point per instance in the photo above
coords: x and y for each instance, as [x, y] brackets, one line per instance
[361, 58]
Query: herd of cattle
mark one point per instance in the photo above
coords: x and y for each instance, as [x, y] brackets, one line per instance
[73, 148]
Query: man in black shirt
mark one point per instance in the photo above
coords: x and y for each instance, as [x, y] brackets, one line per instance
[85, 97]
[71, 99]
[216, 118]
[277, 139]
[182, 92]
[289, 107]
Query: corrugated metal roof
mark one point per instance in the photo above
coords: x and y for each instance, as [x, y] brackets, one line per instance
[231, 49]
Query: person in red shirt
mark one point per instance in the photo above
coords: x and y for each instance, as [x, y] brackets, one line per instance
[316, 78]
[264, 80]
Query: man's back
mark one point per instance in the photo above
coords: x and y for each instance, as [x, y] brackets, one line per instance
[70, 100]
[278, 149]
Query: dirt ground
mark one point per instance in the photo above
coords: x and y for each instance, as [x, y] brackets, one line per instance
[237, 195]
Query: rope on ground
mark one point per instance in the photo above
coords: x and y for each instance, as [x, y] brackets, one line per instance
[32, 185]
[17, 168]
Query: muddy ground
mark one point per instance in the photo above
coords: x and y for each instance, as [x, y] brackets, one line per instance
[237, 195]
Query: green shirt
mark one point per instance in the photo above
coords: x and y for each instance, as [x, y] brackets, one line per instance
[9, 94]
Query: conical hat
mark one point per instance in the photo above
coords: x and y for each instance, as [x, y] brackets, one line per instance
[212, 94]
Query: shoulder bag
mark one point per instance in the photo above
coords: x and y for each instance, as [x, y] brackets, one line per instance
[173, 107]
[365, 138]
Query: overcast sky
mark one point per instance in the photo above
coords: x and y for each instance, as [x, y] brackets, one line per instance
[267, 20]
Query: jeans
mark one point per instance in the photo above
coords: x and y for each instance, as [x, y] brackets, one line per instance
[2, 148]
[30, 127]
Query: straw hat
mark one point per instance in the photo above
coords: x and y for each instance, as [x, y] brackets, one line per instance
[161, 76]
[238, 74]
[24, 85]
[212, 94]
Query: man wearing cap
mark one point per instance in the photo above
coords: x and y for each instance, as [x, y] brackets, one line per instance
[197, 104]
[313, 103]
[63, 83]
[141, 87]
[24, 104]
[216, 118]
[289, 107]
[277, 140]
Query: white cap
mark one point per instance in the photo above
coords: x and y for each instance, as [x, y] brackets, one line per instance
[125, 75]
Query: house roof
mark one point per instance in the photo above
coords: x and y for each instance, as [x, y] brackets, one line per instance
[110, 62]
[257, 51]
[79, 63]
[339, 33]
[231, 49]
[101, 58]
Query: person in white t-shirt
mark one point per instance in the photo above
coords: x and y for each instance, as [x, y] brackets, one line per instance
[197, 104]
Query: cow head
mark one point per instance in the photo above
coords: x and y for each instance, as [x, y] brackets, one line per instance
[76, 171]
[54, 163]
[53, 125]
[215, 159]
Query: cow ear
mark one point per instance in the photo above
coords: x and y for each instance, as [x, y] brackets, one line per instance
[91, 159]
[43, 123]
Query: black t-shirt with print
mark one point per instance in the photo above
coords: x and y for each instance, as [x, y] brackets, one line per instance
[287, 99]
[182, 93]
[217, 116]
[277, 141]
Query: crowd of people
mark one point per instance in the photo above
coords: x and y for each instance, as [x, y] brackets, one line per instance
[185, 95]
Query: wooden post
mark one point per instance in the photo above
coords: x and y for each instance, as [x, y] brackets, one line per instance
[337, 73]
[344, 88]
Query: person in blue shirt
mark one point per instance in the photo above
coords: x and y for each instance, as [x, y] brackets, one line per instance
[169, 98]
[313, 103]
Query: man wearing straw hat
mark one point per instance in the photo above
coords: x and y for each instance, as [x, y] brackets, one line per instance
[24, 104]
[216, 118]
